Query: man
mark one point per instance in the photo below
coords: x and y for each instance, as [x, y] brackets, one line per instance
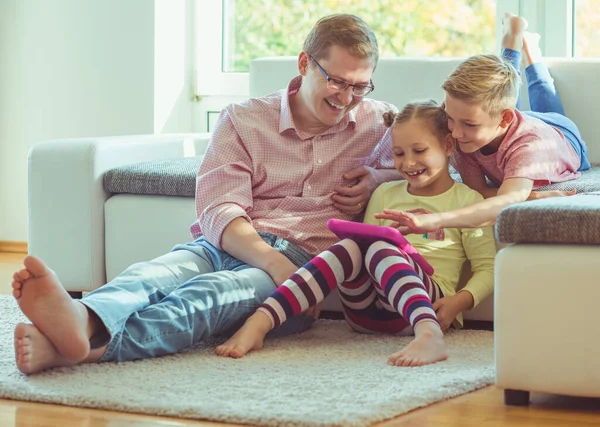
[276, 169]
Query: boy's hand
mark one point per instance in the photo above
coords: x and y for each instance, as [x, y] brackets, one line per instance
[410, 223]
[535, 195]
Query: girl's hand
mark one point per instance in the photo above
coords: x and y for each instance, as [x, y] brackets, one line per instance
[410, 223]
[446, 310]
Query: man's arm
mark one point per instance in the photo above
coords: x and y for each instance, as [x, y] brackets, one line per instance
[241, 241]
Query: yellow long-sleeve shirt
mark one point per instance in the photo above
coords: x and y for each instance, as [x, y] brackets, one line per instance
[448, 250]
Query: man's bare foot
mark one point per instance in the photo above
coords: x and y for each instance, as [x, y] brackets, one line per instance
[47, 304]
[34, 352]
[513, 28]
[248, 337]
[532, 53]
[427, 347]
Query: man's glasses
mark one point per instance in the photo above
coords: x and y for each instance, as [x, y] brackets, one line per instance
[340, 85]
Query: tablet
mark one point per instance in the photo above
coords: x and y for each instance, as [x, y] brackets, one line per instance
[368, 233]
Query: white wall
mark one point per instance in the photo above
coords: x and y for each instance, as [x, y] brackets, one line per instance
[78, 68]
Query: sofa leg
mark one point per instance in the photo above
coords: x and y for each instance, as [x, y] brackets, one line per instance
[516, 397]
[75, 294]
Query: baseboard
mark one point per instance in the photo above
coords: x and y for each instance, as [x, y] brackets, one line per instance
[17, 247]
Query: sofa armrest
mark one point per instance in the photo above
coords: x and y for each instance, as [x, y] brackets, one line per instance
[66, 197]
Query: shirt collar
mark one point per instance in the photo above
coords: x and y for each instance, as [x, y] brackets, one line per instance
[286, 120]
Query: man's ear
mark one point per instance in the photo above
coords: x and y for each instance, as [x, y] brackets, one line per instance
[303, 60]
[450, 144]
[508, 116]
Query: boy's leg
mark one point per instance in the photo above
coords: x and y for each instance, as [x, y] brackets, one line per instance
[410, 291]
[544, 100]
[308, 286]
[512, 42]
[543, 96]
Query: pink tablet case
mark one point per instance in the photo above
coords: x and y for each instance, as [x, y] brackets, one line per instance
[368, 233]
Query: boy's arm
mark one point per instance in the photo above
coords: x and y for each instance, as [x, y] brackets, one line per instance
[480, 214]
[478, 183]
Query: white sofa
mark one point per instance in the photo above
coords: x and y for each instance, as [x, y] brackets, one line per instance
[88, 235]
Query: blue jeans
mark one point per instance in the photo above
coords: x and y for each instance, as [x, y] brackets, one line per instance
[546, 105]
[165, 305]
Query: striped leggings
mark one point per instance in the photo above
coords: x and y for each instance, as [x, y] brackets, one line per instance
[387, 293]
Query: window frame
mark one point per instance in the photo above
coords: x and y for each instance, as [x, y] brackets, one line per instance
[212, 81]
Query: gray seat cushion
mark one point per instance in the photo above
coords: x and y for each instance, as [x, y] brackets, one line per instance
[574, 219]
[177, 177]
[172, 177]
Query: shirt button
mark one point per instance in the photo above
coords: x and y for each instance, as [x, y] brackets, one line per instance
[319, 161]
[309, 187]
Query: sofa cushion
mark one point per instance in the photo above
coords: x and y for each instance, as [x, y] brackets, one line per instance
[177, 177]
[172, 177]
[573, 219]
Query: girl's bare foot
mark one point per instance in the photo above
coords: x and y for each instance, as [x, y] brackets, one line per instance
[45, 302]
[513, 28]
[427, 347]
[532, 53]
[248, 337]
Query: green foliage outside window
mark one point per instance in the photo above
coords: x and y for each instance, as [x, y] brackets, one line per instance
[257, 28]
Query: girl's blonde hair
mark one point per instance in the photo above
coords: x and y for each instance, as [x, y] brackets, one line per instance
[485, 80]
[429, 111]
[344, 30]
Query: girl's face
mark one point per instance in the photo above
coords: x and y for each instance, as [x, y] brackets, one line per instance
[422, 158]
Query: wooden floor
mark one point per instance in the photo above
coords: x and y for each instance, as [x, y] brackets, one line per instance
[481, 408]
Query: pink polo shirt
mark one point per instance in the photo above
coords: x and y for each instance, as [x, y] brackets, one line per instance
[530, 149]
[260, 167]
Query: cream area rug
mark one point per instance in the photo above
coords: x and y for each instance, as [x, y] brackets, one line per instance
[327, 376]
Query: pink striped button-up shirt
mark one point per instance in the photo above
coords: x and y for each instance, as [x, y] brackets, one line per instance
[260, 167]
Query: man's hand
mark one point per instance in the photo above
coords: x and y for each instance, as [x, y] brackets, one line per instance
[535, 195]
[354, 199]
[447, 308]
[283, 270]
[314, 311]
[410, 223]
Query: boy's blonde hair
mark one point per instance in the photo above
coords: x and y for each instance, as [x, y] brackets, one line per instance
[485, 80]
[428, 111]
[345, 30]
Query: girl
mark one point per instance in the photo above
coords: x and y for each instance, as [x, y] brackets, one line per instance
[381, 288]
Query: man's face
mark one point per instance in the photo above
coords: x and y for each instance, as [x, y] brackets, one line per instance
[327, 107]
[472, 127]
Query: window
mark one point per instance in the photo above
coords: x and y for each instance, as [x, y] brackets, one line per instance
[587, 24]
[258, 28]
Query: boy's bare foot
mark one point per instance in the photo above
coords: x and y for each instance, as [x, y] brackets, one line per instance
[427, 347]
[532, 53]
[34, 352]
[248, 337]
[513, 28]
[47, 304]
